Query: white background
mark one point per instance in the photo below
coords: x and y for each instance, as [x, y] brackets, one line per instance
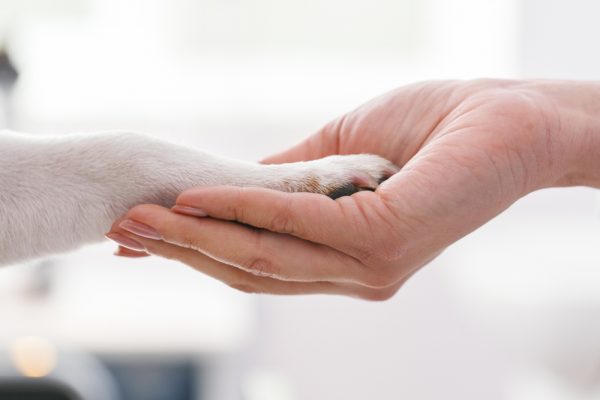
[510, 312]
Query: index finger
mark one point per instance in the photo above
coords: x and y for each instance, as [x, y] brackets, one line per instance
[308, 216]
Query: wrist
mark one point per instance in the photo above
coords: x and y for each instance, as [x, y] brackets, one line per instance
[572, 111]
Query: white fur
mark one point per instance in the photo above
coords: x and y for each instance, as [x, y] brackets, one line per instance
[58, 193]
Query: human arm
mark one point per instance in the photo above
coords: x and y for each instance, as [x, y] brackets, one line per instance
[468, 150]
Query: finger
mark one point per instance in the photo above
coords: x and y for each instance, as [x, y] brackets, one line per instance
[348, 224]
[359, 225]
[323, 143]
[235, 277]
[246, 282]
[125, 247]
[258, 252]
[243, 281]
[239, 279]
[296, 214]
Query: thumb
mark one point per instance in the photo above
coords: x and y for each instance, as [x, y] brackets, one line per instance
[323, 143]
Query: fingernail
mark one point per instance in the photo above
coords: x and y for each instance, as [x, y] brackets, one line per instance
[128, 253]
[194, 212]
[140, 229]
[125, 241]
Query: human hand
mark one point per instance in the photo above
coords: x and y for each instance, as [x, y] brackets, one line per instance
[468, 150]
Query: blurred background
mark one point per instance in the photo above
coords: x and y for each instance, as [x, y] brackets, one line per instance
[511, 312]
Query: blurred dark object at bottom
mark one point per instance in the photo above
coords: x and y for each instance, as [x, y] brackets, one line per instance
[8, 72]
[35, 389]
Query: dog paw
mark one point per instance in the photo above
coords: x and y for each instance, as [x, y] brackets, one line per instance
[337, 176]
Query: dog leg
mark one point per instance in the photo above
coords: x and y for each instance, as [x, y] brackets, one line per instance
[58, 193]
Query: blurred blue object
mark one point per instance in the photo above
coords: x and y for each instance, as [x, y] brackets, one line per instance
[148, 378]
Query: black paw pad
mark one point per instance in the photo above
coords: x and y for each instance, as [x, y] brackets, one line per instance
[383, 179]
[345, 190]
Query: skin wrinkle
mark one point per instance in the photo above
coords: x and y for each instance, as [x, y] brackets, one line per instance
[518, 172]
[440, 122]
[521, 170]
[413, 222]
[487, 154]
[348, 140]
[215, 255]
[282, 221]
[512, 180]
[239, 279]
[408, 151]
[388, 204]
[364, 253]
[459, 117]
[336, 131]
[466, 165]
[497, 170]
[259, 264]
[393, 251]
[234, 209]
[547, 137]
[358, 253]
[344, 217]
[506, 148]
[188, 240]
[466, 161]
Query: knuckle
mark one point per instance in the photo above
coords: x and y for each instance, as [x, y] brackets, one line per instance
[236, 207]
[186, 240]
[259, 266]
[141, 210]
[137, 209]
[260, 262]
[282, 222]
[278, 217]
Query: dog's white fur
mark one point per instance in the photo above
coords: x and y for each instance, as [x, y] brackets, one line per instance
[58, 193]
